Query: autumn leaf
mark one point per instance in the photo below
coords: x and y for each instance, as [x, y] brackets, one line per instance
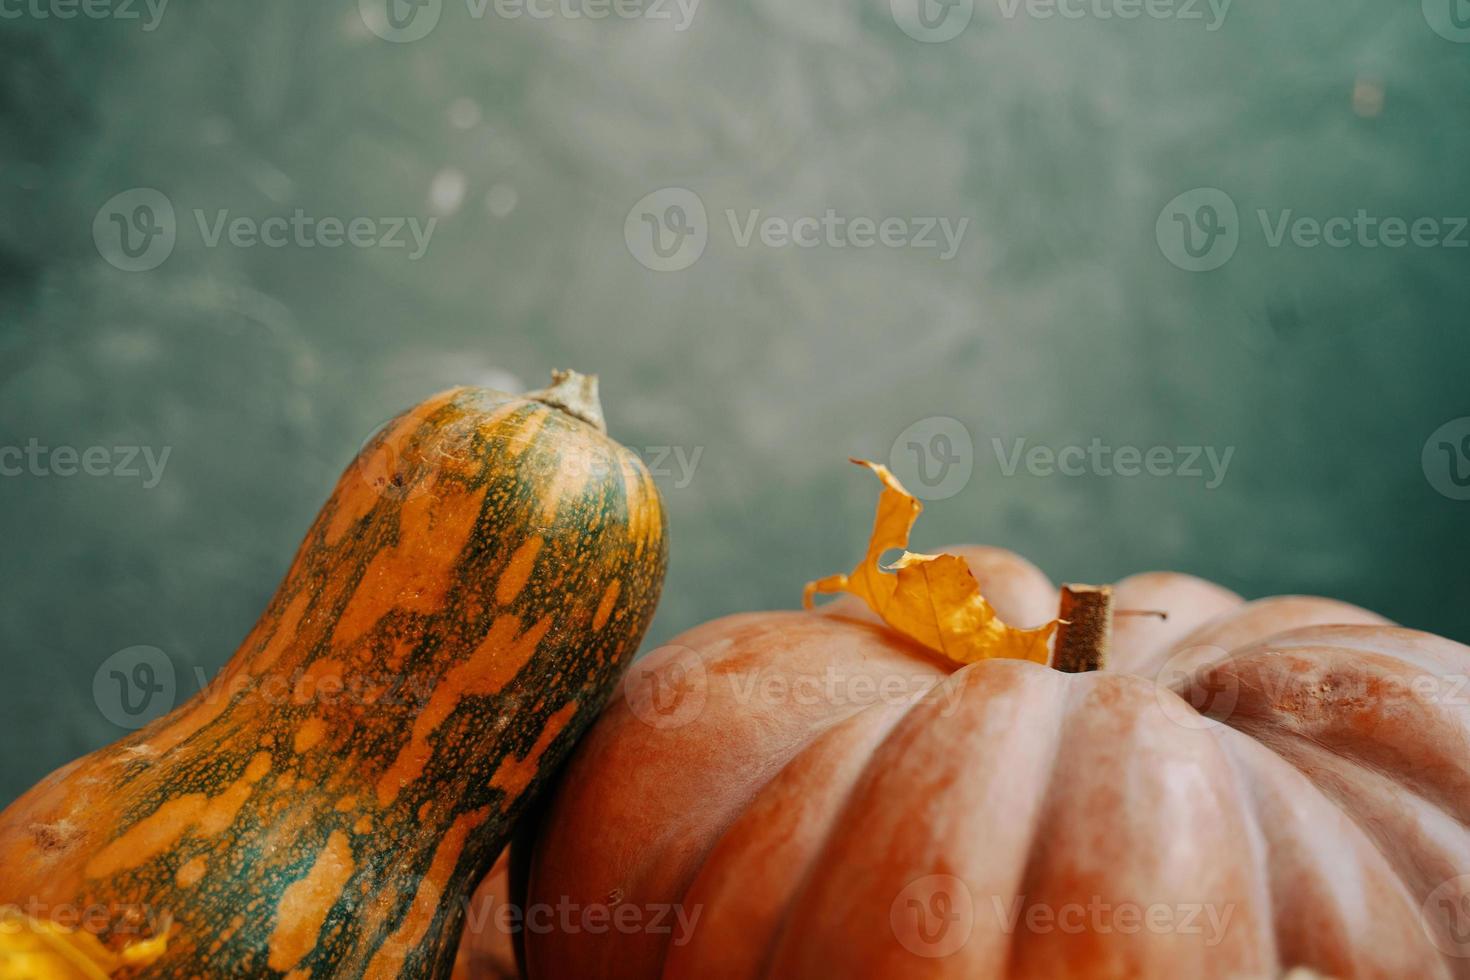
[35, 949]
[932, 599]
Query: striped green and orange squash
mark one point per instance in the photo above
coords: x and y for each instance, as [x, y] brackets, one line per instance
[457, 614]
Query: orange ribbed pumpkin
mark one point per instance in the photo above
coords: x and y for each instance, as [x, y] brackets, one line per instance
[1245, 788]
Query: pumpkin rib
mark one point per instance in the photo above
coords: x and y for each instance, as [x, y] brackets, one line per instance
[726, 657]
[826, 729]
[866, 826]
[1064, 717]
[1371, 796]
[798, 868]
[1250, 623]
[1231, 746]
[1363, 773]
[1287, 747]
[1426, 651]
[1403, 868]
[1257, 766]
[1410, 764]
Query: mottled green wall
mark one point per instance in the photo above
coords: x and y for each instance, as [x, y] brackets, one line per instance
[1061, 318]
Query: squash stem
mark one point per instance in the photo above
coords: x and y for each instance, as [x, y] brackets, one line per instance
[575, 394]
[1084, 628]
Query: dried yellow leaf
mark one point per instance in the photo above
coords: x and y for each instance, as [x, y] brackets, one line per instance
[35, 949]
[933, 599]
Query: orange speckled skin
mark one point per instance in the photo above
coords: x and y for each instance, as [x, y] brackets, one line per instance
[456, 616]
[1270, 760]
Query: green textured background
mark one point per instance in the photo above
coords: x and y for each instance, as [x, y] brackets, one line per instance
[1059, 320]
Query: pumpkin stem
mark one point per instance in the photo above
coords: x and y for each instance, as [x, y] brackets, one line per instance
[575, 394]
[1084, 628]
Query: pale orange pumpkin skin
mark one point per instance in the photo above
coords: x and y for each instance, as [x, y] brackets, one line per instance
[1319, 807]
[487, 949]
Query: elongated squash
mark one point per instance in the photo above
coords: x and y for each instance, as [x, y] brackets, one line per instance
[457, 614]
